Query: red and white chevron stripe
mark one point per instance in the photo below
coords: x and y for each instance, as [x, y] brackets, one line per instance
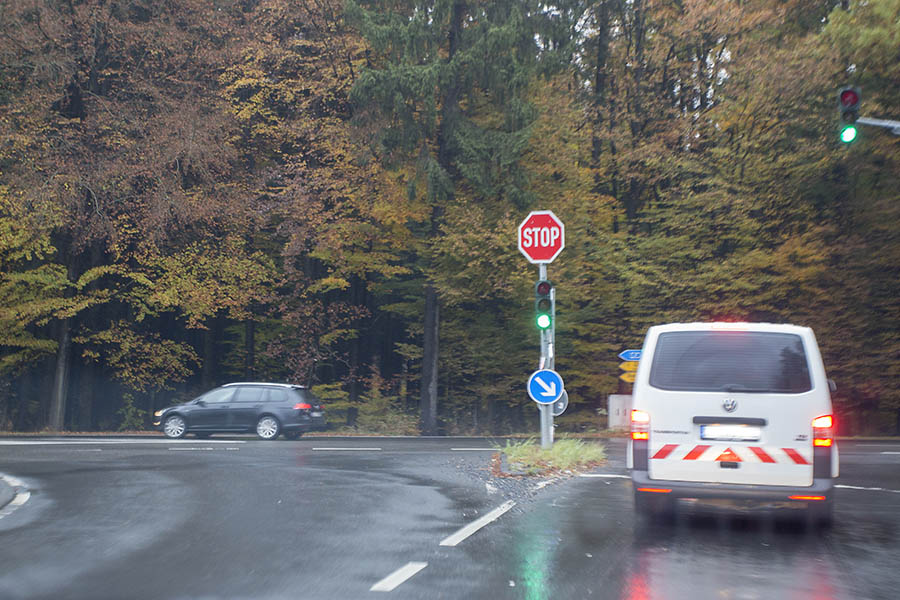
[734, 453]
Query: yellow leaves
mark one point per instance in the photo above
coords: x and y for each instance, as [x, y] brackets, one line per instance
[327, 284]
[207, 277]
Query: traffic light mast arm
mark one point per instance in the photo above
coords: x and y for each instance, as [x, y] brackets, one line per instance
[894, 126]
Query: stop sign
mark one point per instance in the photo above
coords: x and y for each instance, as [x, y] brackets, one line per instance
[542, 236]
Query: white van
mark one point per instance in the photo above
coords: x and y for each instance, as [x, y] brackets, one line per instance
[737, 411]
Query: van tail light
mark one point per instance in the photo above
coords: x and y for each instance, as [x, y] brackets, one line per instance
[823, 431]
[302, 406]
[640, 425]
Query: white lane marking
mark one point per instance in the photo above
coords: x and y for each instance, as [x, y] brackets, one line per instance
[474, 526]
[21, 497]
[397, 577]
[12, 481]
[875, 445]
[890, 452]
[109, 442]
[346, 449]
[191, 449]
[474, 449]
[867, 489]
[544, 484]
[605, 475]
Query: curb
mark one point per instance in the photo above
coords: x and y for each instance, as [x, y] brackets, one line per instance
[7, 493]
[13, 494]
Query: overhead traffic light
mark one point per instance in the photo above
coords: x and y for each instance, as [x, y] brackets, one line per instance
[848, 105]
[543, 304]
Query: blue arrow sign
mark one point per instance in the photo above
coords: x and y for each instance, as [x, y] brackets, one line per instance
[630, 355]
[545, 386]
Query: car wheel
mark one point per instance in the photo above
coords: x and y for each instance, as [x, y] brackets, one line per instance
[175, 427]
[268, 427]
[292, 435]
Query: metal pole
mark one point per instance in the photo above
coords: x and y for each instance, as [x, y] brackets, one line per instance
[894, 126]
[546, 363]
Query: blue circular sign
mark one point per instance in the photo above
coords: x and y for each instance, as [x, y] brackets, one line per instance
[545, 386]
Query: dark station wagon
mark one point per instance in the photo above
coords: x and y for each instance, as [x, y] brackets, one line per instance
[269, 409]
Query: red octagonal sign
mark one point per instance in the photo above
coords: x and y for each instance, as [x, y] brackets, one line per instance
[542, 236]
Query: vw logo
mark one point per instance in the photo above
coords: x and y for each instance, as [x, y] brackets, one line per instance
[730, 404]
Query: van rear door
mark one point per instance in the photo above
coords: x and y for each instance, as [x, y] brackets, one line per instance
[733, 407]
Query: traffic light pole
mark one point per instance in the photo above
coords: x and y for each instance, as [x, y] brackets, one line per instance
[547, 360]
[894, 126]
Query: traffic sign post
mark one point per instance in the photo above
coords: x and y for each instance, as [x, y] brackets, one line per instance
[541, 237]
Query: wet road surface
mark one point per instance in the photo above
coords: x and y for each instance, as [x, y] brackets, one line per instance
[234, 517]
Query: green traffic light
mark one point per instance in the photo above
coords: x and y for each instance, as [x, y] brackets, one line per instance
[543, 321]
[848, 134]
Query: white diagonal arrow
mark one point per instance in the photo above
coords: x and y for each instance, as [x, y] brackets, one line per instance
[549, 390]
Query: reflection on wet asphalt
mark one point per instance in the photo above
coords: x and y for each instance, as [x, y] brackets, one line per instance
[583, 540]
[282, 521]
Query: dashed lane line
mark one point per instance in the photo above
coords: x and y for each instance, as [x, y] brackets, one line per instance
[474, 526]
[473, 449]
[393, 580]
[605, 475]
[346, 449]
[201, 449]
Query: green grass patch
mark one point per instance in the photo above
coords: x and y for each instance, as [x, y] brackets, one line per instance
[528, 457]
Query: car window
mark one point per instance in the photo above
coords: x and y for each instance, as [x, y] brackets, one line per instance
[250, 393]
[276, 395]
[305, 396]
[218, 395]
[735, 361]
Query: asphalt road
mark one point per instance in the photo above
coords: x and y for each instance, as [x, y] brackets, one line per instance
[234, 517]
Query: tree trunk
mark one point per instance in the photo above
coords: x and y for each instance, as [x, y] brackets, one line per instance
[250, 350]
[86, 398]
[61, 378]
[428, 403]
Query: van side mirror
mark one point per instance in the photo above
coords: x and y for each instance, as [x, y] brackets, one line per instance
[832, 386]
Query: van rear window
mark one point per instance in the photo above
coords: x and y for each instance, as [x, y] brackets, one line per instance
[730, 361]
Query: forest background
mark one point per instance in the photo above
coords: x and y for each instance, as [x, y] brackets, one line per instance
[194, 192]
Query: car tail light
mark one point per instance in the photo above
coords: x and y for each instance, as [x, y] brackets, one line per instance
[808, 498]
[823, 431]
[302, 406]
[640, 425]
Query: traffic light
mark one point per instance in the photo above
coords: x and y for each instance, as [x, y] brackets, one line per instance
[848, 106]
[543, 305]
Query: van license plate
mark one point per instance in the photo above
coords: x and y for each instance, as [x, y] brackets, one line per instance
[730, 433]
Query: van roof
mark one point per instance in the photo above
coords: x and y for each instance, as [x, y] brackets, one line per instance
[729, 326]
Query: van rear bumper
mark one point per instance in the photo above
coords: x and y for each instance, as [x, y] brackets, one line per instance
[695, 489]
